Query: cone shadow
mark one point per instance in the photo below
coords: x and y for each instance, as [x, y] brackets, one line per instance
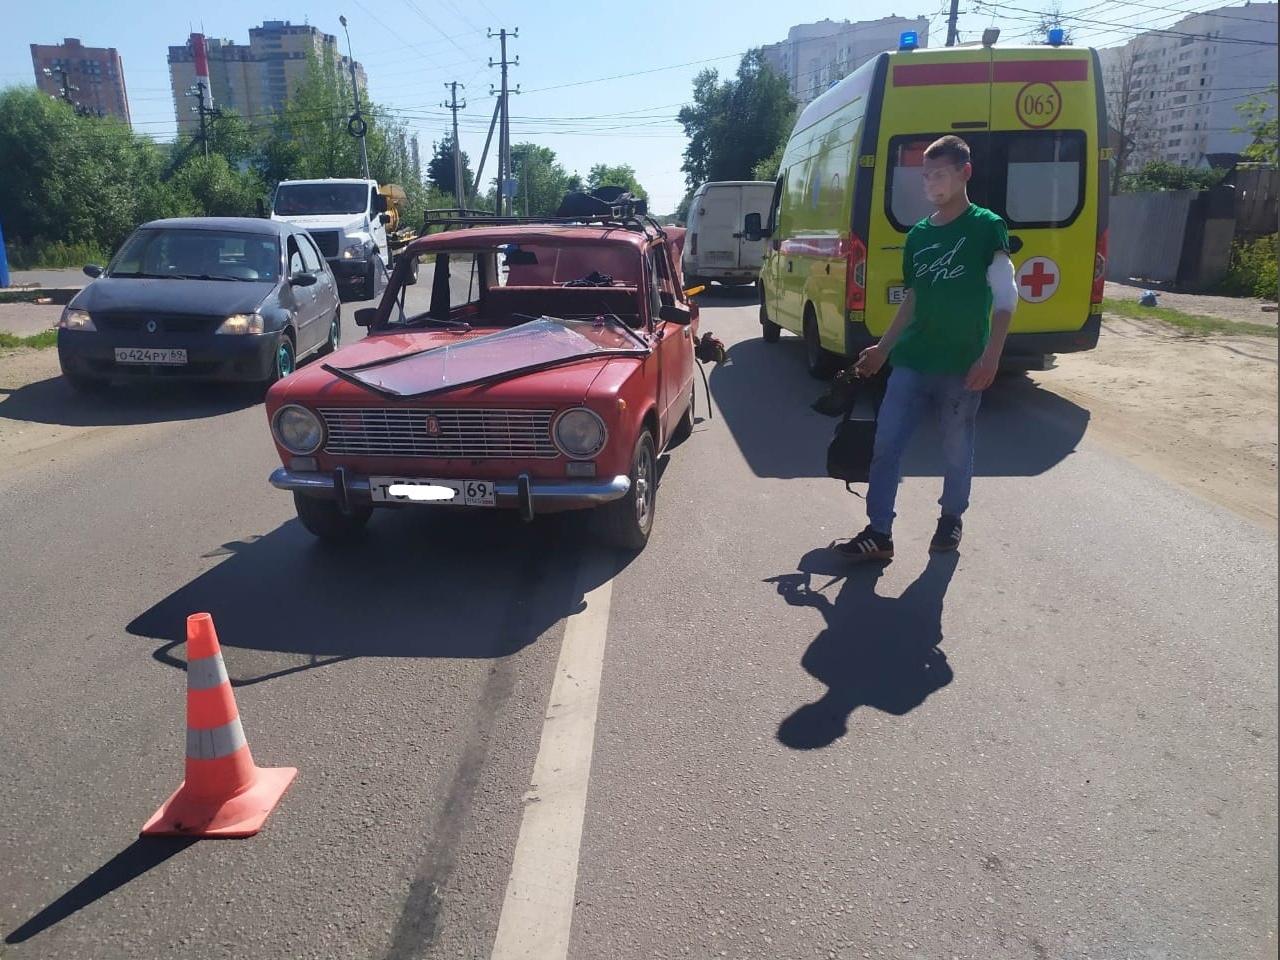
[127, 865]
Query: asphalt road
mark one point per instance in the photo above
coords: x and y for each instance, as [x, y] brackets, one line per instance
[1058, 744]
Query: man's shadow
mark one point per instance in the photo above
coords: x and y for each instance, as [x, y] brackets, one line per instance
[875, 651]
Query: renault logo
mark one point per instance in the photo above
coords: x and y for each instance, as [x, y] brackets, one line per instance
[151, 326]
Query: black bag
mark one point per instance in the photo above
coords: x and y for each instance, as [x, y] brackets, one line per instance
[853, 442]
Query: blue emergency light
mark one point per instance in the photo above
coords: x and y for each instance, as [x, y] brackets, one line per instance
[1056, 37]
[909, 40]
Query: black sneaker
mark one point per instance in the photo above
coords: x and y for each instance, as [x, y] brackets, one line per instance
[868, 545]
[947, 536]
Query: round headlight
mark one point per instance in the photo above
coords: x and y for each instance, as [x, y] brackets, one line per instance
[579, 433]
[298, 429]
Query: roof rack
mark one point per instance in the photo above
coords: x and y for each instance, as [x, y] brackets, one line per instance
[622, 213]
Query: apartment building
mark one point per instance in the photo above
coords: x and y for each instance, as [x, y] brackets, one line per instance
[815, 55]
[90, 78]
[1176, 88]
[256, 79]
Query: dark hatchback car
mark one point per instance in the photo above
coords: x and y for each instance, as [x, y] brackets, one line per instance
[202, 299]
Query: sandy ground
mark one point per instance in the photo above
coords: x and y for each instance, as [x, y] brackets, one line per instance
[1199, 411]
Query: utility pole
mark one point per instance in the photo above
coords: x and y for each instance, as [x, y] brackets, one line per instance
[356, 125]
[64, 90]
[952, 33]
[206, 113]
[459, 187]
[504, 131]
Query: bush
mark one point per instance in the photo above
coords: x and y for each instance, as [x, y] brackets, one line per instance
[57, 255]
[1252, 272]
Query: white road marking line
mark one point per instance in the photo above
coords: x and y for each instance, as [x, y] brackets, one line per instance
[538, 909]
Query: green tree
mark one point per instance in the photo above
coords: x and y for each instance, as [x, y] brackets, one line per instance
[542, 181]
[768, 168]
[71, 178]
[441, 173]
[734, 124]
[208, 186]
[624, 175]
[1259, 115]
[1163, 175]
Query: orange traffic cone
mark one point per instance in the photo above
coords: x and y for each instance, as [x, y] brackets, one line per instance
[224, 793]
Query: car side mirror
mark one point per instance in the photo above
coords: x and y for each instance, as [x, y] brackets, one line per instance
[384, 218]
[260, 207]
[673, 313]
[303, 279]
[365, 315]
[752, 228]
[93, 270]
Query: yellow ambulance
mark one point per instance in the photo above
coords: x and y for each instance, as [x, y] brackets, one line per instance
[850, 187]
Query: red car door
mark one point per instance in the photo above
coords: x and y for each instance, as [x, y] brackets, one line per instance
[674, 344]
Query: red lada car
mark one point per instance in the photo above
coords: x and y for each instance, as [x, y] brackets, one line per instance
[536, 366]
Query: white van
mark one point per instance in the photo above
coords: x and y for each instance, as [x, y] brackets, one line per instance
[715, 247]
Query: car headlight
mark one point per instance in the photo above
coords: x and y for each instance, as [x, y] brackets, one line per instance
[298, 429]
[76, 320]
[353, 250]
[579, 433]
[242, 323]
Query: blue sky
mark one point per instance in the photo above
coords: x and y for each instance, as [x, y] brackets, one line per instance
[596, 86]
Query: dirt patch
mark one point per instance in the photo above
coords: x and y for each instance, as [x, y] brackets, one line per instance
[1199, 411]
[1237, 309]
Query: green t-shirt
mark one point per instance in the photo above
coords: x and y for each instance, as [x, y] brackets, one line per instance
[946, 266]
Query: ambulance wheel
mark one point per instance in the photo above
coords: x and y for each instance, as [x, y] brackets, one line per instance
[819, 362]
[769, 330]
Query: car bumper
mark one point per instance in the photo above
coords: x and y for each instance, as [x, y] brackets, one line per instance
[526, 494]
[209, 357]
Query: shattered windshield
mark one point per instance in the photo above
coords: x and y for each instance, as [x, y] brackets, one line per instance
[526, 348]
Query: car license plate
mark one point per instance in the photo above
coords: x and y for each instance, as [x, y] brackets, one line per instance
[465, 493]
[171, 355]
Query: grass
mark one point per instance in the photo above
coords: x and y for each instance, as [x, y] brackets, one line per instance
[41, 340]
[1188, 322]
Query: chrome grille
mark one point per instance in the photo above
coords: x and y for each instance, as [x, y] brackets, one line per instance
[476, 434]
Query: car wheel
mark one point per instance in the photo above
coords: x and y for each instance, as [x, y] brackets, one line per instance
[818, 361]
[413, 273]
[335, 334]
[324, 520]
[769, 330]
[684, 429]
[286, 358]
[628, 521]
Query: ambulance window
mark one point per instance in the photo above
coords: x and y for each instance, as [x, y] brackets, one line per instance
[908, 204]
[1044, 177]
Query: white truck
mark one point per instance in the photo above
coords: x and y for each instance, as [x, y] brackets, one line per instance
[715, 248]
[354, 222]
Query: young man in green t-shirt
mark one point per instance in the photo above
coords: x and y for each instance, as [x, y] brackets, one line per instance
[944, 346]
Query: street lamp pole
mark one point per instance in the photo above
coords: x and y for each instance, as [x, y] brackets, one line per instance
[356, 125]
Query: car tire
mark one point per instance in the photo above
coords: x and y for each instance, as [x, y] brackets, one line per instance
[323, 520]
[820, 364]
[627, 522]
[684, 429]
[413, 273]
[335, 334]
[286, 360]
[769, 330]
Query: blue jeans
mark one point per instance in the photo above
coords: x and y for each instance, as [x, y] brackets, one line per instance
[908, 395]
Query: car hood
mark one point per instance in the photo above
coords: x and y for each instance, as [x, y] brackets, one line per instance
[542, 360]
[209, 297]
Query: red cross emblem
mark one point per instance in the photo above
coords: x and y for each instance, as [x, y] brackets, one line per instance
[1038, 279]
